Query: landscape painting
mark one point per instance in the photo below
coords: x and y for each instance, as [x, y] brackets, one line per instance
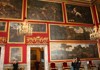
[79, 14]
[64, 51]
[44, 11]
[63, 32]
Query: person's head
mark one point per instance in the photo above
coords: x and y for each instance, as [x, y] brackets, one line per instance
[77, 59]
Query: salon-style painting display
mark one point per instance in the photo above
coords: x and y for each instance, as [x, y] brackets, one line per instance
[79, 14]
[13, 36]
[15, 54]
[11, 9]
[44, 11]
[64, 51]
[3, 26]
[98, 10]
[39, 27]
[64, 32]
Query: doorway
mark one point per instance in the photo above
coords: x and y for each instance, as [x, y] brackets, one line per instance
[37, 53]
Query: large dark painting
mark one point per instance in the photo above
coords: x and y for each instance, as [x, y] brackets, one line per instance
[42, 10]
[39, 28]
[14, 37]
[63, 32]
[79, 14]
[11, 9]
[98, 10]
[64, 51]
[2, 26]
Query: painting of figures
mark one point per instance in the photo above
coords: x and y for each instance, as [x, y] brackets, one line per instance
[79, 14]
[2, 26]
[43, 10]
[11, 9]
[64, 51]
[63, 32]
[14, 37]
[98, 10]
[15, 54]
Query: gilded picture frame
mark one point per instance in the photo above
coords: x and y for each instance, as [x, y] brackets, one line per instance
[15, 53]
[44, 11]
[11, 9]
[3, 26]
[13, 36]
[60, 51]
[78, 14]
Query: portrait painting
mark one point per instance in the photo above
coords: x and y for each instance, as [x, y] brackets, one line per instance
[13, 36]
[98, 10]
[39, 28]
[64, 32]
[44, 11]
[15, 54]
[3, 26]
[11, 9]
[64, 51]
[79, 14]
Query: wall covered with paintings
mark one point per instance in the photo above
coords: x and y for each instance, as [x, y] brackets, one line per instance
[64, 26]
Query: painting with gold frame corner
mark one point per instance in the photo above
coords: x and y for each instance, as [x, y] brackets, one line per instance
[67, 51]
[3, 26]
[15, 53]
[59, 32]
[98, 11]
[39, 27]
[44, 11]
[11, 9]
[13, 36]
[79, 14]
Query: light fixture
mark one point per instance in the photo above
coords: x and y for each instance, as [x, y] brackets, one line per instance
[24, 28]
[95, 34]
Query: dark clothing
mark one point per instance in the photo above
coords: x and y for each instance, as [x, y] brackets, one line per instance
[37, 65]
[15, 66]
[76, 65]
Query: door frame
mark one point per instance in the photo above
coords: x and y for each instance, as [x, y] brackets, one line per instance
[45, 55]
[2, 56]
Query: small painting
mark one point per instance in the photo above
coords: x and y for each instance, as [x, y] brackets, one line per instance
[3, 26]
[79, 14]
[14, 37]
[11, 9]
[15, 54]
[39, 28]
[64, 51]
[44, 11]
[98, 10]
[64, 32]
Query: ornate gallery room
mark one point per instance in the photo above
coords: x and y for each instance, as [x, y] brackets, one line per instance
[49, 34]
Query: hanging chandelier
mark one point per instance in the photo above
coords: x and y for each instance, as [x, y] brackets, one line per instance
[24, 28]
[95, 34]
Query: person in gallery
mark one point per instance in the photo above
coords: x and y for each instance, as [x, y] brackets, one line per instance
[15, 64]
[37, 64]
[75, 65]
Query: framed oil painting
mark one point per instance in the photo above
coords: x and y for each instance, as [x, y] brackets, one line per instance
[64, 32]
[3, 26]
[11, 9]
[64, 51]
[15, 54]
[44, 11]
[39, 28]
[13, 36]
[98, 10]
[79, 14]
